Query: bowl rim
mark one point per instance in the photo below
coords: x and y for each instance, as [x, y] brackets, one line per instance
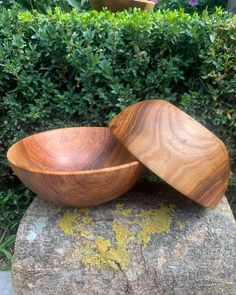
[68, 172]
[140, 1]
[145, 2]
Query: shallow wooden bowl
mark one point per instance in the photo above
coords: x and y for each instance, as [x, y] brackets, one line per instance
[79, 167]
[175, 147]
[120, 5]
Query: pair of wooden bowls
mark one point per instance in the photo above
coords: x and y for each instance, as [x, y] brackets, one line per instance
[86, 166]
[120, 5]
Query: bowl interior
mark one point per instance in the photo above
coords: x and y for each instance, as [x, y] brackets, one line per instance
[69, 149]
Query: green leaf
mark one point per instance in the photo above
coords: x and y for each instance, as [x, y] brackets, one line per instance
[212, 37]
[74, 3]
[6, 253]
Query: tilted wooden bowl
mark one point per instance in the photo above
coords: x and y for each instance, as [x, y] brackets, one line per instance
[120, 5]
[80, 166]
[175, 147]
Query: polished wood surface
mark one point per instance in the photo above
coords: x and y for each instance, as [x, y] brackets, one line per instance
[120, 5]
[80, 166]
[175, 147]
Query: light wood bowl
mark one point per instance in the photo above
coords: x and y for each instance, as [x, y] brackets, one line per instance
[79, 167]
[175, 147]
[120, 5]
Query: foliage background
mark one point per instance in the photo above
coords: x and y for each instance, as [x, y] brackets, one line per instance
[66, 5]
[70, 69]
[184, 4]
[43, 5]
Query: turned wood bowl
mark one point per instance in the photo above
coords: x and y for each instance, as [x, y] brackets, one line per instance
[175, 147]
[120, 5]
[79, 167]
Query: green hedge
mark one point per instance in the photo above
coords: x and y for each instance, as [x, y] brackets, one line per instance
[199, 7]
[66, 5]
[65, 69]
[43, 5]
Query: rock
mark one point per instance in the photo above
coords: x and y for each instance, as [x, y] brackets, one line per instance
[150, 241]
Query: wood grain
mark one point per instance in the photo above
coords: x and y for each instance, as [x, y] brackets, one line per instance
[175, 147]
[80, 166]
[120, 5]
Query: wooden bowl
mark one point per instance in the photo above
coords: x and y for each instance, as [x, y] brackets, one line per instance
[79, 167]
[175, 147]
[120, 5]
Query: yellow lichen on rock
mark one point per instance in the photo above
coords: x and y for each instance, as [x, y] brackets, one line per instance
[120, 209]
[103, 255]
[88, 255]
[113, 252]
[120, 254]
[153, 221]
[102, 244]
[75, 222]
[180, 224]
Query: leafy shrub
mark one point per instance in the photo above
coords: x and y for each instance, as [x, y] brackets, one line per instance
[13, 203]
[65, 69]
[197, 5]
[43, 5]
[189, 6]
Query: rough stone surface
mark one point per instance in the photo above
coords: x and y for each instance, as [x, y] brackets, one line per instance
[150, 241]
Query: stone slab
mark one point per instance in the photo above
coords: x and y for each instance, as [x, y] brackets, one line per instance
[151, 241]
[6, 283]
